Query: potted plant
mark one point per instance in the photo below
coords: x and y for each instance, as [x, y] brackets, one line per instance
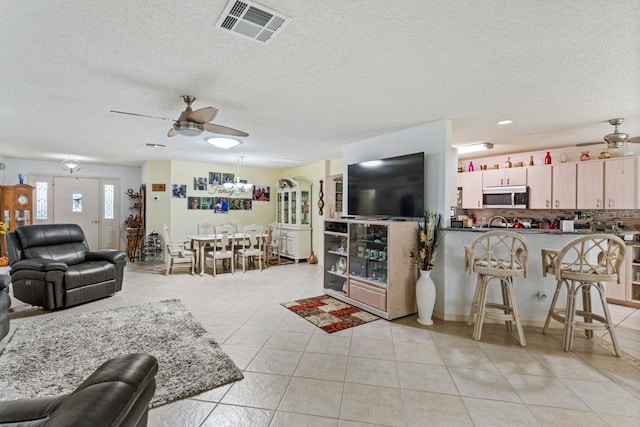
[428, 238]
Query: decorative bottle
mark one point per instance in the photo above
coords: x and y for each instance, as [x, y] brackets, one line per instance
[547, 159]
[530, 160]
[471, 168]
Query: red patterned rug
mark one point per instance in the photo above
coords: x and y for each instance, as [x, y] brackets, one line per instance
[329, 314]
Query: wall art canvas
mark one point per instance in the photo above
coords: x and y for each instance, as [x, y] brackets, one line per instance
[215, 178]
[200, 183]
[193, 203]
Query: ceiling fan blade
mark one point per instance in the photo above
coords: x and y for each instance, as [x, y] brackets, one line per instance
[634, 140]
[586, 144]
[172, 132]
[202, 115]
[141, 115]
[213, 128]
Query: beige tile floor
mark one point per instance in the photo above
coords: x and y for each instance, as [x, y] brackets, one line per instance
[383, 373]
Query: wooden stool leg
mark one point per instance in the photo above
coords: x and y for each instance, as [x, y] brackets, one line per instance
[474, 302]
[567, 335]
[607, 316]
[586, 308]
[480, 310]
[514, 311]
[554, 301]
[504, 284]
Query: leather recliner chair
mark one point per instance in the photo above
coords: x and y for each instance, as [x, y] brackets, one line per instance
[116, 394]
[5, 305]
[53, 267]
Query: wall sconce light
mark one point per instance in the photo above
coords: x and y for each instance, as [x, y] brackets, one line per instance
[472, 148]
[71, 165]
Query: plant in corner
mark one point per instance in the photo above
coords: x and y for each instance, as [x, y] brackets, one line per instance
[428, 236]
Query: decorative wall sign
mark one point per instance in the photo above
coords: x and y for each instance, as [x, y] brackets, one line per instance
[158, 187]
[320, 201]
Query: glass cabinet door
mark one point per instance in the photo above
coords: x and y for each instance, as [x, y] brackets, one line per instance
[279, 207]
[285, 210]
[294, 219]
[304, 202]
[368, 252]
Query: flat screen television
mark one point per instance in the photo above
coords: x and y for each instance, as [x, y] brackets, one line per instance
[391, 187]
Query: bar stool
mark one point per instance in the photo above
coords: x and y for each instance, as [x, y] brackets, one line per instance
[584, 263]
[499, 255]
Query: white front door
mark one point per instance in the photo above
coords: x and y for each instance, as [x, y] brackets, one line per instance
[77, 201]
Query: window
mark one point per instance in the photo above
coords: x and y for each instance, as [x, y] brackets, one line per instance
[42, 211]
[109, 192]
[77, 202]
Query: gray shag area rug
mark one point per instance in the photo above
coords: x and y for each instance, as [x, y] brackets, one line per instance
[53, 356]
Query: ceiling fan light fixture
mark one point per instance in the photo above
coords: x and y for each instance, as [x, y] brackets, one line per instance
[474, 148]
[71, 165]
[224, 143]
[188, 128]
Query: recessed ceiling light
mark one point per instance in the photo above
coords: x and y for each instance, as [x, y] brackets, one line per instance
[504, 122]
[224, 143]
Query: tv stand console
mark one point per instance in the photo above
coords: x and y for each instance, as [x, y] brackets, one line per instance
[368, 264]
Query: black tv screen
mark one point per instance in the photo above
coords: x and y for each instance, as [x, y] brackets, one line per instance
[392, 187]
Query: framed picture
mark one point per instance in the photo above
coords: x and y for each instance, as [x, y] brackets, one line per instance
[261, 193]
[179, 191]
[200, 183]
[193, 203]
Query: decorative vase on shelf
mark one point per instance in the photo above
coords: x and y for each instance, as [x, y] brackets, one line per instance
[547, 158]
[425, 297]
[530, 160]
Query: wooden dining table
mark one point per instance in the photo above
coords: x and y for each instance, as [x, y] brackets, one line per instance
[202, 240]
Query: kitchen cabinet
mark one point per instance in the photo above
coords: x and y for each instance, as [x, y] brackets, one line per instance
[539, 180]
[590, 185]
[293, 212]
[471, 184]
[621, 183]
[368, 264]
[563, 186]
[503, 177]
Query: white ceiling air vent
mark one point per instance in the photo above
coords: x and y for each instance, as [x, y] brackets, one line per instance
[251, 20]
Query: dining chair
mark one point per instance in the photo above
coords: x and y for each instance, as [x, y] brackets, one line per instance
[252, 245]
[177, 252]
[224, 249]
[582, 264]
[501, 256]
[273, 242]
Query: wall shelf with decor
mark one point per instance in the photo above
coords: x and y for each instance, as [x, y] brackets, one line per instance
[368, 264]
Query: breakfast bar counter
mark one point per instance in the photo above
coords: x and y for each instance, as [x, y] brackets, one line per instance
[455, 287]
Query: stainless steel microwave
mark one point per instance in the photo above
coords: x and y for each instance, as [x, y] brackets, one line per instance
[515, 196]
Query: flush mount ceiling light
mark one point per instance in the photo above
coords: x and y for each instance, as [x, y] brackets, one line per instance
[473, 148]
[71, 165]
[504, 122]
[224, 143]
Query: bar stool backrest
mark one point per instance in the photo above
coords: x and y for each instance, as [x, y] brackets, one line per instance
[498, 253]
[591, 258]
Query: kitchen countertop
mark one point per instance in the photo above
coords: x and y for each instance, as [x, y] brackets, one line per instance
[540, 231]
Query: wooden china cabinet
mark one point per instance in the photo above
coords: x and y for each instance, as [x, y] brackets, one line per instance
[16, 203]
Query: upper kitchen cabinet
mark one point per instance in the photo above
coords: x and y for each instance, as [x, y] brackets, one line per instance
[471, 184]
[539, 181]
[590, 185]
[503, 177]
[621, 183]
[564, 186]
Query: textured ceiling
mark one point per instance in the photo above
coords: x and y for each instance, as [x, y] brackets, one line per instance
[339, 72]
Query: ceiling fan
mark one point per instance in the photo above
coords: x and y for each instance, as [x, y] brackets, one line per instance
[193, 123]
[615, 139]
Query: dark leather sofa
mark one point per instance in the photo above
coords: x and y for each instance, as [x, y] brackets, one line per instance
[53, 267]
[5, 305]
[116, 394]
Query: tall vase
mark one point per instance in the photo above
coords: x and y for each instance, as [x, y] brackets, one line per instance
[425, 297]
